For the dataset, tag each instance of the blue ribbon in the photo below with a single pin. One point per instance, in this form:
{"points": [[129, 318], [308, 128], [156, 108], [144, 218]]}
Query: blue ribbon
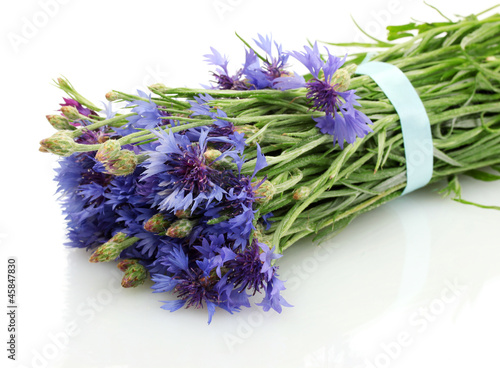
{"points": [[415, 125]]}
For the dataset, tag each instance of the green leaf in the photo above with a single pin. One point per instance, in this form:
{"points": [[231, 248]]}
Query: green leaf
{"points": [[452, 187], [379, 42], [482, 175], [477, 204], [392, 37], [444, 157], [439, 11], [380, 151]]}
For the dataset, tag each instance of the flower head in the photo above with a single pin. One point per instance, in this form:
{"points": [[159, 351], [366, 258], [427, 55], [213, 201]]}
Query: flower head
{"points": [[328, 93], [185, 176]]}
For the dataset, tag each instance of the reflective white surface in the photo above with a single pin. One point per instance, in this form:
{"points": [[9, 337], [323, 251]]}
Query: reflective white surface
{"points": [[414, 283]]}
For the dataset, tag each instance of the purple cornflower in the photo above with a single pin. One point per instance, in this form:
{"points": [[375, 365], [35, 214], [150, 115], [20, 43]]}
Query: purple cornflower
{"points": [[246, 269], [187, 179], [222, 77], [273, 68], [341, 118], [81, 109], [273, 299], [90, 220], [149, 116], [194, 284], [252, 75], [238, 202], [222, 134]]}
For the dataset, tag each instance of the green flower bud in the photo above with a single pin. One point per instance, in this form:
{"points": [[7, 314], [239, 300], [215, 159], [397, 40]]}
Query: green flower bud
{"points": [[60, 144], [248, 130], [112, 96], [126, 263], [158, 87], [301, 193], [111, 249], [107, 150], [342, 77], [180, 228], [157, 224], [122, 163], [60, 122], [265, 192], [71, 113], [211, 155], [260, 236], [135, 273], [63, 83], [182, 214]]}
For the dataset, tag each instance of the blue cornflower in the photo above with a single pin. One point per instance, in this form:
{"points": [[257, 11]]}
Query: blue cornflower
{"points": [[273, 68], [252, 75], [194, 286], [265, 219], [246, 269], [215, 248], [222, 133], [108, 110], [222, 77], [90, 219], [148, 116], [238, 202], [273, 299], [186, 178], [341, 118]]}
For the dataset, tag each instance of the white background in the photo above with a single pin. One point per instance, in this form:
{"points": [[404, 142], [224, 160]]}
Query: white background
{"points": [[414, 283]]}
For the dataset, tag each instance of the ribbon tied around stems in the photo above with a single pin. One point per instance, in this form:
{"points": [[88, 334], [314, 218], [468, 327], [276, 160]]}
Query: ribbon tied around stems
{"points": [[415, 124]]}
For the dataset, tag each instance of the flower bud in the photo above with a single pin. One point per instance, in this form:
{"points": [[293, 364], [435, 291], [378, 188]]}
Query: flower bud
{"points": [[158, 87], [126, 263], [60, 122], [107, 150], [63, 83], [157, 224], [301, 193], [122, 163], [111, 249], [135, 273], [265, 192], [342, 79], [248, 130], [102, 138], [182, 214], [112, 96], [60, 144], [180, 228], [71, 112], [211, 155]]}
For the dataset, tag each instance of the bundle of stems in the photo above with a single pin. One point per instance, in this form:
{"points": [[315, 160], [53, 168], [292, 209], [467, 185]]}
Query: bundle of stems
{"points": [[309, 184], [319, 189]]}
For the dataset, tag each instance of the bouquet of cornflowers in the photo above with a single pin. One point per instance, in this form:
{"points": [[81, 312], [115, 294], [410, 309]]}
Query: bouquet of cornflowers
{"points": [[204, 189]]}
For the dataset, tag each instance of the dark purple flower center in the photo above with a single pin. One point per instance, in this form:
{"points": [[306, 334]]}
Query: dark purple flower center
{"points": [[323, 96], [196, 289], [191, 169], [227, 82], [275, 69], [245, 270]]}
